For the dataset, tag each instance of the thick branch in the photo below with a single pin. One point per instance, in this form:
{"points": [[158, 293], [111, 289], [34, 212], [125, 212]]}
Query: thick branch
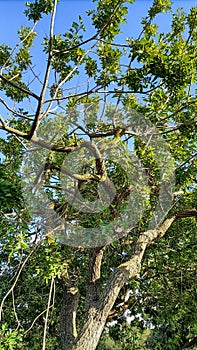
{"points": [[13, 131], [97, 316], [66, 171], [100, 165]]}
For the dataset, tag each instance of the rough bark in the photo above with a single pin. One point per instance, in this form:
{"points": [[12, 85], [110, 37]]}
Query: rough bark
{"points": [[93, 289], [68, 312], [99, 310]]}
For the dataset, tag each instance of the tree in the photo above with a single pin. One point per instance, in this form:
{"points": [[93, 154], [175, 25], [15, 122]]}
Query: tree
{"points": [[77, 235]]}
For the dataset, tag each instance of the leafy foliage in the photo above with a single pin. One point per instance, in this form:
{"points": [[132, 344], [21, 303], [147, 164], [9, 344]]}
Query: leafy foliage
{"points": [[153, 75]]}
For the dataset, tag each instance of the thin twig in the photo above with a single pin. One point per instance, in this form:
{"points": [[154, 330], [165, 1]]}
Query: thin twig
{"points": [[20, 88], [47, 313], [13, 111], [34, 321], [17, 45], [16, 280], [14, 308]]}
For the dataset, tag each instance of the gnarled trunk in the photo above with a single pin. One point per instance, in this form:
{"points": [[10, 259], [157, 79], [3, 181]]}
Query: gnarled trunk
{"points": [[99, 307]]}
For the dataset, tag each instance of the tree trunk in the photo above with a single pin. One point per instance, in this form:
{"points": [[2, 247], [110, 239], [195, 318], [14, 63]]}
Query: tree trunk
{"points": [[93, 288], [97, 315], [99, 310], [68, 312]]}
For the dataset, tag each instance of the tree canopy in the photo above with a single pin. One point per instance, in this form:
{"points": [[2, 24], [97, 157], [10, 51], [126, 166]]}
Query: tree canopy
{"points": [[98, 181]]}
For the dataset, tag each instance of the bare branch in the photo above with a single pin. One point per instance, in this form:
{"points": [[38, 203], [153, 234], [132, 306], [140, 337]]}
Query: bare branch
{"points": [[20, 88], [46, 78], [177, 127], [13, 131], [81, 177], [15, 281], [13, 111], [80, 95], [94, 37], [194, 156], [14, 308], [37, 317], [47, 313]]}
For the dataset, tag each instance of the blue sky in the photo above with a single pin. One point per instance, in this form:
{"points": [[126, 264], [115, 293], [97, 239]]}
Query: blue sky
{"points": [[12, 17]]}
